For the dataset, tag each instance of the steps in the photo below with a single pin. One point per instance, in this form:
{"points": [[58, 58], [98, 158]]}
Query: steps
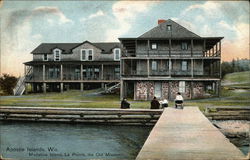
{"points": [[20, 86]]}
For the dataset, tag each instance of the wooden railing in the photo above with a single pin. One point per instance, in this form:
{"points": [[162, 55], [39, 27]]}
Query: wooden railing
{"points": [[83, 115], [228, 112]]}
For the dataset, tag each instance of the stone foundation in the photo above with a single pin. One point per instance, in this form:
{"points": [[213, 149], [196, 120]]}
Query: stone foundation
{"points": [[145, 90]]}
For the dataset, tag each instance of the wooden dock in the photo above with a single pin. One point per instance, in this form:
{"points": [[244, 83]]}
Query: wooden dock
{"points": [[187, 135], [81, 115]]}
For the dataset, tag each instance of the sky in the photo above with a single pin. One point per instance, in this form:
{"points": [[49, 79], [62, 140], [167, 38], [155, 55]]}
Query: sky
{"points": [[26, 24]]}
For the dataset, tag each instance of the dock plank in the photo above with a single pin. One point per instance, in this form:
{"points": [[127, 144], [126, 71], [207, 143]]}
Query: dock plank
{"points": [[187, 134]]}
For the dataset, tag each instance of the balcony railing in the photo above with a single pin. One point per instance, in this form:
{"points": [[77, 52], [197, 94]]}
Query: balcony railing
{"points": [[172, 53]]}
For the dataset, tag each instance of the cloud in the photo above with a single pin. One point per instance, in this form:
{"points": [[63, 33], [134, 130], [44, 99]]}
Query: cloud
{"points": [[94, 15], [44, 10], [16, 48], [125, 12], [18, 38], [209, 7], [213, 17]]}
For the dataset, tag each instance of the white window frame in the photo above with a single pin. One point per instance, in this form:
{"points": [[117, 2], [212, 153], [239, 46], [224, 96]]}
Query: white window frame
{"points": [[182, 65], [55, 52], [117, 49], [152, 46], [184, 46], [154, 65], [169, 27], [182, 86], [44, 57], [86, 58]]}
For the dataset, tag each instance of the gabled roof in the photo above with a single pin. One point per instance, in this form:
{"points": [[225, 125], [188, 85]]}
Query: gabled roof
{"points": [[177, 31], [48, 47], [67, 47]]}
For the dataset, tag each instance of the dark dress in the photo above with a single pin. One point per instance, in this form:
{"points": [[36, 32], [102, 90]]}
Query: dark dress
{"points": [[155, 104], [125, 104]]}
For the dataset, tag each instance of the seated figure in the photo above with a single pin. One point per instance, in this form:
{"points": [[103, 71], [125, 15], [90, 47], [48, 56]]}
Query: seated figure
{"points": [[178, 100]]}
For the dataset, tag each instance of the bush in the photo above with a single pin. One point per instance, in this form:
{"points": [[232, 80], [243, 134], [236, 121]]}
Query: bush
{"points": [[7, 84]]}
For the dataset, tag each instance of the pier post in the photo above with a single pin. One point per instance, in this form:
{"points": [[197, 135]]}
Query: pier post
{"points": [[61, 87], [44, 87], [82, 85]]}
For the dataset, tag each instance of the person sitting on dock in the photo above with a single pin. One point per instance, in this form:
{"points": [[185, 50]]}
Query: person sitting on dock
{"points": [[155, 104], [125, 104], [178, 99], [164, 103]]}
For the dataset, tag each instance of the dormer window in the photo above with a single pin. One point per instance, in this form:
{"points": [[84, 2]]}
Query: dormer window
{"points": [[57, 55], [184, 46], [117, 54], [45, 57], [169, 27], [154, 46], [87, 55]]}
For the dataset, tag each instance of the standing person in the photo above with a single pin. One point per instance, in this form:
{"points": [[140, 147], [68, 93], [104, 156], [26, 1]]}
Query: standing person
{"points": [[178, 99], [155, 104], [125, 104], [164, 103]]}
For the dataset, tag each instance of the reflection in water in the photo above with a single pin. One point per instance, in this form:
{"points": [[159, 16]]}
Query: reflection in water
{"points": [[70, 141]]}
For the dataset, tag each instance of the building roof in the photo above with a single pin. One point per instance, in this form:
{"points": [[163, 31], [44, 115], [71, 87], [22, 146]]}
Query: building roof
{"points": [[67, 47], [177, 31]]}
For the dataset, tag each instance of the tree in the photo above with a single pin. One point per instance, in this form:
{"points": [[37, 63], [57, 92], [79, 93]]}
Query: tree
{"points": [[7, 83]]}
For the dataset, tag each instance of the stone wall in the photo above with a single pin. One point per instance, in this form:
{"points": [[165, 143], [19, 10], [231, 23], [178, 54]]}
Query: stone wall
{"points": [[145, 90], [198, 90], [165, 90]]}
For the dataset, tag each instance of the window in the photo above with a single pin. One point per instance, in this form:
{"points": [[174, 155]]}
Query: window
{"points": [[83, 55], [117, 54], [154, 65], [57, 55], [153, 46], [182, 87], [169, 27], [184, 46], [87, 55], [90, 55], [184, 65], [45, 57], [117, 72]]}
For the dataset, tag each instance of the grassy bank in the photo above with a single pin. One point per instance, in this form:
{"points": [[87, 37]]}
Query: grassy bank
{"points": [[230, 96]]}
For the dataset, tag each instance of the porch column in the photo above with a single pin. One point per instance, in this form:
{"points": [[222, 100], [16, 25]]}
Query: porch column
{"points": [[81, 70], [192, 45], [192, 67], [148, 47], [61, 72], [44, 87], [148, 66], [220, 48], [170, 46], [61, 87], [103, 85], [121, 90], [204, 48], [43, 72], [169, 67], [82, 85], [216, 50], [102, 75], [219, 87]]}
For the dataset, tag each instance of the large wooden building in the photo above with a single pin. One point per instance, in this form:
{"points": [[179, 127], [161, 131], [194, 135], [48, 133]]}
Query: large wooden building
{"points": [[63, 66], [169, 59]]}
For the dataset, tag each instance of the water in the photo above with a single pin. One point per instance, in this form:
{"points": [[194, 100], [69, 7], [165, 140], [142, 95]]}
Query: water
{"points": [[26, 140]]}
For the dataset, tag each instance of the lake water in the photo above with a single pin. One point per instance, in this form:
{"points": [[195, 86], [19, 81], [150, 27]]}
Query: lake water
{"points": [[26, 140]]}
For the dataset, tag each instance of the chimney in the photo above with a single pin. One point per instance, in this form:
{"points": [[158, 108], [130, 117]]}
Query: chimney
{"points": [[161, 21]]}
